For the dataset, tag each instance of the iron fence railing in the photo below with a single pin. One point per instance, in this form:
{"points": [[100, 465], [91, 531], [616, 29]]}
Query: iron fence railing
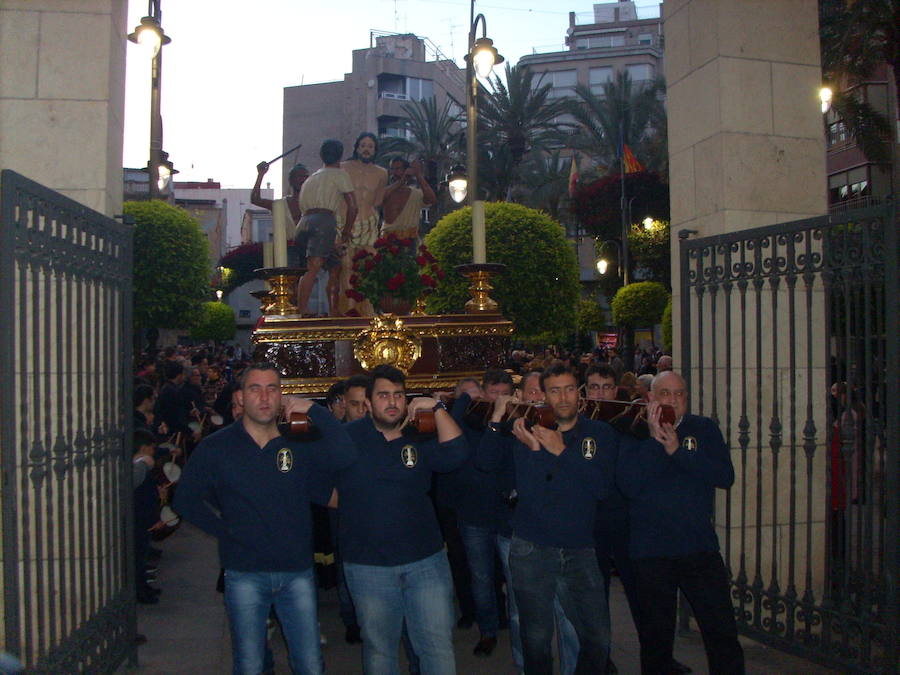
{"points": [[789, 339], [65, 349]]}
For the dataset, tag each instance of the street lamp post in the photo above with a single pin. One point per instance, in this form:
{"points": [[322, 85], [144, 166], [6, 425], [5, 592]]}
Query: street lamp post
{"points": [[149, 34], [602, 264], [480, 60]]}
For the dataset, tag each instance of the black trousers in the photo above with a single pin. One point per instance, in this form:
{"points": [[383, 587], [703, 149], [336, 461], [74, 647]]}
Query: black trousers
{"points": [[704, 580]]}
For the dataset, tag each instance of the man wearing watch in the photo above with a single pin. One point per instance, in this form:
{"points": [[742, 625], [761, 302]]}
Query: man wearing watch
{"points": [[393, 554], [560, 475]]}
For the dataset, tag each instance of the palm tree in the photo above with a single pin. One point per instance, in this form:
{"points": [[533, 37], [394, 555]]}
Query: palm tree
{"points": [[856, 37], [545, 180], [635, 112], [520, 115]]}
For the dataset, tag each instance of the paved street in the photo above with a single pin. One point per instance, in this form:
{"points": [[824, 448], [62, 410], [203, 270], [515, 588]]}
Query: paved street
{"points": [[187, 632]]}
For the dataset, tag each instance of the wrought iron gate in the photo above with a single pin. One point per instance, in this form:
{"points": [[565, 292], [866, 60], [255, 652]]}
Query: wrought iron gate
{"points": [[790, 341], [65, 297]]}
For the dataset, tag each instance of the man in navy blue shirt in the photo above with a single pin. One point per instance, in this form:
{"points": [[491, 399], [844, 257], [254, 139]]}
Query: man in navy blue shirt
{"points": [[560, 475], [477, 499], [251, 488], [394, 558], [670, 483]]}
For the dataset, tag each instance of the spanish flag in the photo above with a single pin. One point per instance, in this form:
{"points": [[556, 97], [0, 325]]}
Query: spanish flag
{"points": [[630, 161], [573, 175]]}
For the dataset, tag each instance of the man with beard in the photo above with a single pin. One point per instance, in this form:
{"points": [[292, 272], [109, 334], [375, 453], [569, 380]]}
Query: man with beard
{"points": [[404, 198], [393, 555], [251, 488], [560, 476], [369, 181], [670, 482]]}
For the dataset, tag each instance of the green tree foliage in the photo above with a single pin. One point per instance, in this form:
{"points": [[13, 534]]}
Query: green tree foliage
{"points": [[650, 252], [639, 304], [545, 182], [667, 327], [856, 37], [216, 323], [539, 289], [590, 316], [520, 116], [171, 265], [633, 108]]}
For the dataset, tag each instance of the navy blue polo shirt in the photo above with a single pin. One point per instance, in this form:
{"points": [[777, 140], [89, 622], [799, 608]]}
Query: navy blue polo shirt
{"points": [[494, 454], [474, 492], [671, 497], [558, 494], [385, 515], [256, 500]]}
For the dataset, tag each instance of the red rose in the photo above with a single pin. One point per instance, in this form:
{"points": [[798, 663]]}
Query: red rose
{"points": [[396, 281], [421, 260], [440, 274], [362, 253], [429, 281], [381, 241], [406, 242], [369, 264], [354, 280], [353, 294], [377, 257], [394, 250]]}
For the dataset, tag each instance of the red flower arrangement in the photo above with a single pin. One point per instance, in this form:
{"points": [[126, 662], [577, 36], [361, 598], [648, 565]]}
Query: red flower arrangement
{"points": [[397, 268]]}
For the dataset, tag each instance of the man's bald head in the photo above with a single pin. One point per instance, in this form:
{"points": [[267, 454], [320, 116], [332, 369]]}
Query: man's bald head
{"points": [[670, 388], [664, 363]]}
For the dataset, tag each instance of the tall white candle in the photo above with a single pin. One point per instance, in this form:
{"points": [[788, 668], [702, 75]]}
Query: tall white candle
{"points": [[479, 253], [280, 217]]}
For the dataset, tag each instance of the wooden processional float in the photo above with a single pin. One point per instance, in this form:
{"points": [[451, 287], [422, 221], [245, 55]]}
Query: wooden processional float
{"points": [[435, 351]]}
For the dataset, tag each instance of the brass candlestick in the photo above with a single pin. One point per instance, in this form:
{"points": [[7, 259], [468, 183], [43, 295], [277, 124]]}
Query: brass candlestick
{"points": [[479, 274], [283, 283]]}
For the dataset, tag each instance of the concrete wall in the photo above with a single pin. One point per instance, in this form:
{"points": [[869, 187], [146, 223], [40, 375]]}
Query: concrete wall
{"points": [[62, 96]]}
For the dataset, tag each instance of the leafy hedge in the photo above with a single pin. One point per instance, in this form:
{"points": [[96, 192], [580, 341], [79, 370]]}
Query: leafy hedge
{"points": [[639, 304], [667, 327], [215, 322], [171, 265], [539, 289]]}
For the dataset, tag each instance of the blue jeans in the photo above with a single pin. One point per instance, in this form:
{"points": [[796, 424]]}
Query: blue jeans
{"points": [[541, 573], [479, 543], [566, 640], [422, 593], [248, 598], [515, 637]]}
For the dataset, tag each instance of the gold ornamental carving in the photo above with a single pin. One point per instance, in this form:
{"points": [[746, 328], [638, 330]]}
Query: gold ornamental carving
{"points": [[387, 341]]}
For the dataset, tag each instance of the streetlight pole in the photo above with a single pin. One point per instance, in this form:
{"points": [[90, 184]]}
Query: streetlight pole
{"points": [[480, 59], [150, 35]]}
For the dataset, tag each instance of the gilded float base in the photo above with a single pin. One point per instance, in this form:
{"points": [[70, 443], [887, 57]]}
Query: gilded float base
{"points": [[436, 351]]}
